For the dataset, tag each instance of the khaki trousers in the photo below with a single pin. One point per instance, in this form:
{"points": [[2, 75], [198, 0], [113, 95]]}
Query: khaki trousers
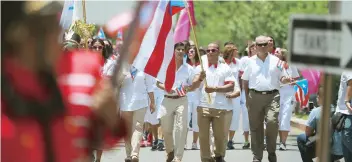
{"points": [[176, 111], [216, 118], [228, 120], [132, 142], [263, 107]]}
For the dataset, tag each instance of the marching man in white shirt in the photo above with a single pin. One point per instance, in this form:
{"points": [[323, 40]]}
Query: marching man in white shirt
{"points": [[136, 95], [213, 103], [175, 107], [262, 80]]}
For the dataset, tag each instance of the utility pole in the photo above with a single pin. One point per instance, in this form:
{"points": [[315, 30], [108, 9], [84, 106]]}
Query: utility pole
{"points": [[324, 130]]}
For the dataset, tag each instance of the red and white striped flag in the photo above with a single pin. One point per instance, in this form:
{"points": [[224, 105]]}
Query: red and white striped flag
{"points": [[181, 90], [156, 53]]}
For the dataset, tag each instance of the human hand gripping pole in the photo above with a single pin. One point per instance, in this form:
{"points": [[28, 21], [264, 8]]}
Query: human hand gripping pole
{"points": [[197, 47]]}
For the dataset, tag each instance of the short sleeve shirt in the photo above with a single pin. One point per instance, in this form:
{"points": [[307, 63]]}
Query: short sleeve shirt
{"points": [[341, 107], [263, 75], [216, 77]]}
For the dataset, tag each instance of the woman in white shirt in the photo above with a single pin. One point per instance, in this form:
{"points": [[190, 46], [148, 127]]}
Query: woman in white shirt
{"points": [[193, 98], [136, 94], [287, 93]]}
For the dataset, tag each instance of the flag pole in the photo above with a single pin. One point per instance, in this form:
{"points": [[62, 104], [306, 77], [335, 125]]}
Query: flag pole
{"points": [[85, 19], [197, 47]]}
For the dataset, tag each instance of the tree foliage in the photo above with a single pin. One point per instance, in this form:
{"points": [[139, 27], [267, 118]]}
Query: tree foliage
{"points": [[240, 21]]}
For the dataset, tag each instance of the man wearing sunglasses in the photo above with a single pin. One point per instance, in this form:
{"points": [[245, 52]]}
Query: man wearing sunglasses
{"points": [[261, 80], [213, 102]]}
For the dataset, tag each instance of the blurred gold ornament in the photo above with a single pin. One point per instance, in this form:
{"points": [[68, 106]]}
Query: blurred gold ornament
{"points": [[84, 30]]}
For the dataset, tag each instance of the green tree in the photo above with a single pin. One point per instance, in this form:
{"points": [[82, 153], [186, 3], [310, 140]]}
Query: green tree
{"points": [[239, 21]]}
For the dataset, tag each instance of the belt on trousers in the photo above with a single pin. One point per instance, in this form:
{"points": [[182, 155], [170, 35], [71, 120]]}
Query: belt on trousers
{"points": [[264, 92], [173, 97]]}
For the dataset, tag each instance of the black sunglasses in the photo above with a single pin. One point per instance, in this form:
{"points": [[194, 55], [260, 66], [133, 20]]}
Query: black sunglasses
{"points": [[97, 47], [211, 50], [262, 44]]}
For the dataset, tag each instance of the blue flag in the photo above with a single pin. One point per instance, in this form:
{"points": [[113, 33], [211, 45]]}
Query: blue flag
{"points": [[101, 34]]}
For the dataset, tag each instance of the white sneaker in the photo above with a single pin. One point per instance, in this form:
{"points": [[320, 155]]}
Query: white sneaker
{"points": [[282, 147], [194, 146]]}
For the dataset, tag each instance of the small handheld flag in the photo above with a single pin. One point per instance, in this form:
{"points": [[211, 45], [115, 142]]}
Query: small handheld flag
{"points": [[281, 65], [302, 95], [181, 90], [133, 73], [101, 34]]}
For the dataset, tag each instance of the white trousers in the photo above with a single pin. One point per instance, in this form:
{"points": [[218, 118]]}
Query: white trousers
{"points": [[152, 118], [285, 114], [240, 108], [192, 113]]}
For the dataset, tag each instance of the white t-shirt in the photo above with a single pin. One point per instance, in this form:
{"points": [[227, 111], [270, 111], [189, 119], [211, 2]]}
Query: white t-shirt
{"points": [[340, 105], [215, 77]]}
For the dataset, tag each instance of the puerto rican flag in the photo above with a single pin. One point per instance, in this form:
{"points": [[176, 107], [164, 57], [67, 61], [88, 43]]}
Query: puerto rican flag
{"points": [[156, 53], [181, 90], [281, 65], [302, 95]]}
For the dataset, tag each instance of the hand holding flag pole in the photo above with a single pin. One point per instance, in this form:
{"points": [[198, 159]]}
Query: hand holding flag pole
{"points": [[196, 44]]}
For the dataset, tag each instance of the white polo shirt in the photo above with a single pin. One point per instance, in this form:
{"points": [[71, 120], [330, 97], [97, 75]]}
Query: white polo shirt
{"points": [[263, 75], [134, 92], [216, 77], [340, 105]]}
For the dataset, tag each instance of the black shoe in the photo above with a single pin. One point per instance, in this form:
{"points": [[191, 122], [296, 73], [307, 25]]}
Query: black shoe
{"points": [[230, 145], [256, 160], [154, 145], [219, 159], [272, 157], [246, 145], [160, 146], [170, 156], [128, 159]]}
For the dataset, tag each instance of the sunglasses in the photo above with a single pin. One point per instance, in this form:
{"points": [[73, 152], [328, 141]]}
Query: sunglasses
{"points": [[97, 47], [212, 50], [191, 51], [262, 44]]}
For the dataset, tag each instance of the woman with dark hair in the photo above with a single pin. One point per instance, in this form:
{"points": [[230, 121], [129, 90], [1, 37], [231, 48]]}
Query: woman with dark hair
{"points": [[98, 45], [193, 98], [271, 45]]}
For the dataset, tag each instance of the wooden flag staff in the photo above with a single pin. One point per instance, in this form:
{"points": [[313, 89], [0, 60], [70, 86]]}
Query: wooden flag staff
{"points": [[197, 47]]}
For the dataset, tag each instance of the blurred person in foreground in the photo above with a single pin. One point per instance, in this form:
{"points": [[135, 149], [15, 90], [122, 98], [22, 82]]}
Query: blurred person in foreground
{"points": [[344, 110], [306, 141], [48, 113]]}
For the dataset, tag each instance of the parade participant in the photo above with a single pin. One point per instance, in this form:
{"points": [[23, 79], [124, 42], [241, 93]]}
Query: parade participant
{"points": [[97, 45], [230, 55], [174, 107], [193, 99], [71, 41], [343, 108], [44, 117], [245, 122], [152, 119], [271, 45], [287, 100], [136, 95], [220, 81], [262, 80]]}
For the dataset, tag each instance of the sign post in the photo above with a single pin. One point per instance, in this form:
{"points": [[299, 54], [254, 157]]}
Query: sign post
{"points": [[323, 42]]}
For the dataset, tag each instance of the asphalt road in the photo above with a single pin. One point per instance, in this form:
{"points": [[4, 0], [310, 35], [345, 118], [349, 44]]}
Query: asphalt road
{"points": [[238, 155]]}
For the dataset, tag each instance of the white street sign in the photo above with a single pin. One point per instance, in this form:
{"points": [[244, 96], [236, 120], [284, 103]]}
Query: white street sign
{"points": [[322, 42]]}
